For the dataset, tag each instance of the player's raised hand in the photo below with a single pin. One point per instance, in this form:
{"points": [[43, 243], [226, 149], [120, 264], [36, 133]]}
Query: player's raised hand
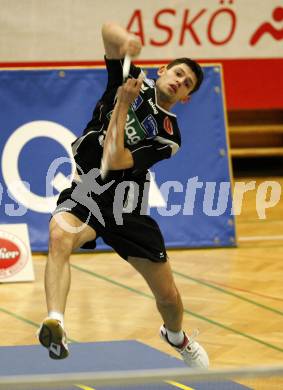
{"points": [[129, 91], [132, 46]]}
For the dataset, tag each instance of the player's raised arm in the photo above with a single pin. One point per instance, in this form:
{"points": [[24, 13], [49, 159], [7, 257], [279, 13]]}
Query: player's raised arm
{"points": [[118, 41], [120, 157]]}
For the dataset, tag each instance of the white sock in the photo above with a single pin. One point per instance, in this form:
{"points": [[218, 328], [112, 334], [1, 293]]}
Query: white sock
{"points": [[175, 338], [57, 316]]}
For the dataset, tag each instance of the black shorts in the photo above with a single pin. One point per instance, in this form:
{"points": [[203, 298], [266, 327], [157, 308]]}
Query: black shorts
{"points": [[138, 235]]}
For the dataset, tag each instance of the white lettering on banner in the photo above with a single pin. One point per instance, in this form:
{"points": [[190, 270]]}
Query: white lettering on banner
{"points": [[10, 157], [5, 254]]}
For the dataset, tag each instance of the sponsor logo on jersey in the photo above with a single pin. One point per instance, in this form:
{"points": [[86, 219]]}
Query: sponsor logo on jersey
{"points": [[167, 124], [144, 88], [137, 103], [133, 131], [153, 106], [150, 125], [149, 82]]}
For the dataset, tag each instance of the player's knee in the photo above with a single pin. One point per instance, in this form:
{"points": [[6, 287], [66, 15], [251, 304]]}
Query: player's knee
{"points": [[168, 297], [60, 241]]}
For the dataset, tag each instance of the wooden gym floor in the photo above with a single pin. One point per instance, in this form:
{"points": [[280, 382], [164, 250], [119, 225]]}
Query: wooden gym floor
{"points": [[234, 296]]}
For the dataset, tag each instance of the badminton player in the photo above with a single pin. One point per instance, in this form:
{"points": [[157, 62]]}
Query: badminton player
{"points": [[132, 128]]}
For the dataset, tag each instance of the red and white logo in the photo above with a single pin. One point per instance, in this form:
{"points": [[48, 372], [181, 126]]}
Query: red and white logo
{"points": [[13, 255], [167, 124]]}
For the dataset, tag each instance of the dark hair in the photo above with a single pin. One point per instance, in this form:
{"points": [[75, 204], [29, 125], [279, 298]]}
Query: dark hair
{"points": [[193, 65]]}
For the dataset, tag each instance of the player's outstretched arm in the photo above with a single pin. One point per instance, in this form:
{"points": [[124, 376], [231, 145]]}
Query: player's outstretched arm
{"points": [[118, 41], [120, 157]]}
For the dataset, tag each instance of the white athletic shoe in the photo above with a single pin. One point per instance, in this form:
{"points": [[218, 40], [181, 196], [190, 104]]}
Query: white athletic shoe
{"points": [[53, 337], [192, 352]]}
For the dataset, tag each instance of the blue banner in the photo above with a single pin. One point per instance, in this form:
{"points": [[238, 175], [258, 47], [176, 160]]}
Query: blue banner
{"points": [[43, 111]]}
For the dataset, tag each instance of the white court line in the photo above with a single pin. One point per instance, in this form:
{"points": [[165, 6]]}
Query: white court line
{"points": [[260, 238]]}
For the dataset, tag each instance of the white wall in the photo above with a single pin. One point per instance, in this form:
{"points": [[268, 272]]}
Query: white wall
{"points": [[54, 30]]}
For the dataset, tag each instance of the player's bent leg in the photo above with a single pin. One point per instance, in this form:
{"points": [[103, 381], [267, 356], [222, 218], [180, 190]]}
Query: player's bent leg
{"points": [[67, 233], [169, 303]]}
